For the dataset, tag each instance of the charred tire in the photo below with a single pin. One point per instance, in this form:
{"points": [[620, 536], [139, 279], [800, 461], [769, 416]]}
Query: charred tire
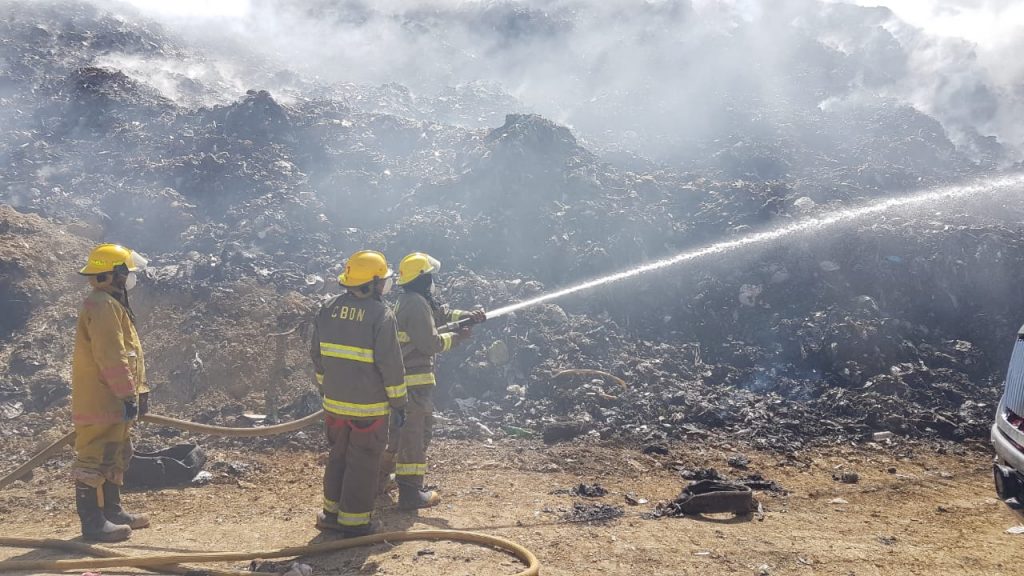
{"points": [[1008, 484]]}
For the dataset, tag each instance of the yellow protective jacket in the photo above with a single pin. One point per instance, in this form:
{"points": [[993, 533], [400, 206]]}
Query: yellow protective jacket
{"points": [[108, 366], [417, 331], [357, 358]]}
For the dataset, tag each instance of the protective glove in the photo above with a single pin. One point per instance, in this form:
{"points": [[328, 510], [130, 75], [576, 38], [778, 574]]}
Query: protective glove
{"points": [[478, 316], [131, 410], [143, 404], [463, 334], [399, 415]]}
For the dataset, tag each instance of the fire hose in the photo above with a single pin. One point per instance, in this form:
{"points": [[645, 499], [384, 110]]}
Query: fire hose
{"points": [[114, 559], [68, 438], [110, 558]]}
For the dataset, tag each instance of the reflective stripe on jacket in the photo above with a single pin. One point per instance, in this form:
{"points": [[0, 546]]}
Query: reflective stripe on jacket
{"points": [[108, 366], [357, 358], [417, 332]]}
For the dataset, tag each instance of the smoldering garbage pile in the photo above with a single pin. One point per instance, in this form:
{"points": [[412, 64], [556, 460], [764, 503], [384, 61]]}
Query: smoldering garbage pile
{"points": [[246, 210]]}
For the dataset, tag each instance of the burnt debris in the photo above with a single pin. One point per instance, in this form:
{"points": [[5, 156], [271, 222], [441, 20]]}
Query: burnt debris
{"points": [[246, 202]]}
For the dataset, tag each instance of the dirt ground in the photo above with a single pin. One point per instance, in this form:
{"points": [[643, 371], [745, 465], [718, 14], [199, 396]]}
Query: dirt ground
{"points": [[913, 511]]}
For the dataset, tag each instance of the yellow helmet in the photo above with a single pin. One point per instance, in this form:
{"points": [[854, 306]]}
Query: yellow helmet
{"points": [[416, 264], [363, 267], [106, 257]]}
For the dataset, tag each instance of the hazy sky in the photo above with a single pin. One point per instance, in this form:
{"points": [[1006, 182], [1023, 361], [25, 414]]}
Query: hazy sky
{"points": [[981, 21], [988, 23], [212, 8], [968, 54]]}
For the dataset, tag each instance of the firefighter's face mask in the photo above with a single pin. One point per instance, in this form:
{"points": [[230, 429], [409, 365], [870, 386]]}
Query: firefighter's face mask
{"points": [[137, 263]]}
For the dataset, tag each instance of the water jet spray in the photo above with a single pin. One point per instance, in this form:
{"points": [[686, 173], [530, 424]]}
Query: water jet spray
{"points": [[986, 186]]}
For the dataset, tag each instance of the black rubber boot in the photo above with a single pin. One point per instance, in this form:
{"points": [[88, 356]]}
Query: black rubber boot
{"points": [[113, 511], [357, 531], [95, 526], [413, 497], [327, 521]]}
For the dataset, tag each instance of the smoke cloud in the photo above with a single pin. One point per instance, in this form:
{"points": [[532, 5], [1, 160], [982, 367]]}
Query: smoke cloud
{"points": [[963, 64], [661, 78]]}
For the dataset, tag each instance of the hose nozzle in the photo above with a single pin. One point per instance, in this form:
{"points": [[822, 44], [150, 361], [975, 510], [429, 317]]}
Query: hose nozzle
{"points": [[458, 325]]}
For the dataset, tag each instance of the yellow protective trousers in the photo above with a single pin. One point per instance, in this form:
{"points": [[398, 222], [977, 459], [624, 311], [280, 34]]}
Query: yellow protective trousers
{"points": [[102, 453], [350, 476], [411, 457]]}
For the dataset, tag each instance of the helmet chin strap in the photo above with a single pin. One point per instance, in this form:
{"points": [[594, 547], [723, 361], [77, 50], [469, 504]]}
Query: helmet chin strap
{"points": [[127, 306], [117, 288], [378, 288], [424, 286]]}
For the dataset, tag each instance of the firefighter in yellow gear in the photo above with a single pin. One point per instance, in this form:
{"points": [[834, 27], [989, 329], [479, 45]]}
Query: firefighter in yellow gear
{"points": [[108, 392], [418, 315], [358, 363]]}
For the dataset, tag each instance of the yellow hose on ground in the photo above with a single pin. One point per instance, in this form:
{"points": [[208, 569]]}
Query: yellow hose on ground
{"points": [[152, 561], [38, 459], [58, 445], [102, 552], [169, 562], [234, 432]]}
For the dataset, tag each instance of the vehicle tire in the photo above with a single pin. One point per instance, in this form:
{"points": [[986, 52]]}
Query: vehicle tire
{"points": [[1007, 482]]}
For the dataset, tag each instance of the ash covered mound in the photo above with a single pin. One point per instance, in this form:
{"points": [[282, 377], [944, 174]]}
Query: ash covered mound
{"points": [[246, 205], [38, 301]]}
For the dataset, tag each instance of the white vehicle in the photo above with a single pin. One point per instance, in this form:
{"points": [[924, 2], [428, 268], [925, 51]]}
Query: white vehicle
{"points": [[1008, 429]]}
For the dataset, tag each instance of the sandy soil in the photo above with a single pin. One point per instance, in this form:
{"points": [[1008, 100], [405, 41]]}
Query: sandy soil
{"points": [[914, 511]]}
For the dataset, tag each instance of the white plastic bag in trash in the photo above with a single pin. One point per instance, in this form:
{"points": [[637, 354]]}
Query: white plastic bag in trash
{"points": [[298, 569]]}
